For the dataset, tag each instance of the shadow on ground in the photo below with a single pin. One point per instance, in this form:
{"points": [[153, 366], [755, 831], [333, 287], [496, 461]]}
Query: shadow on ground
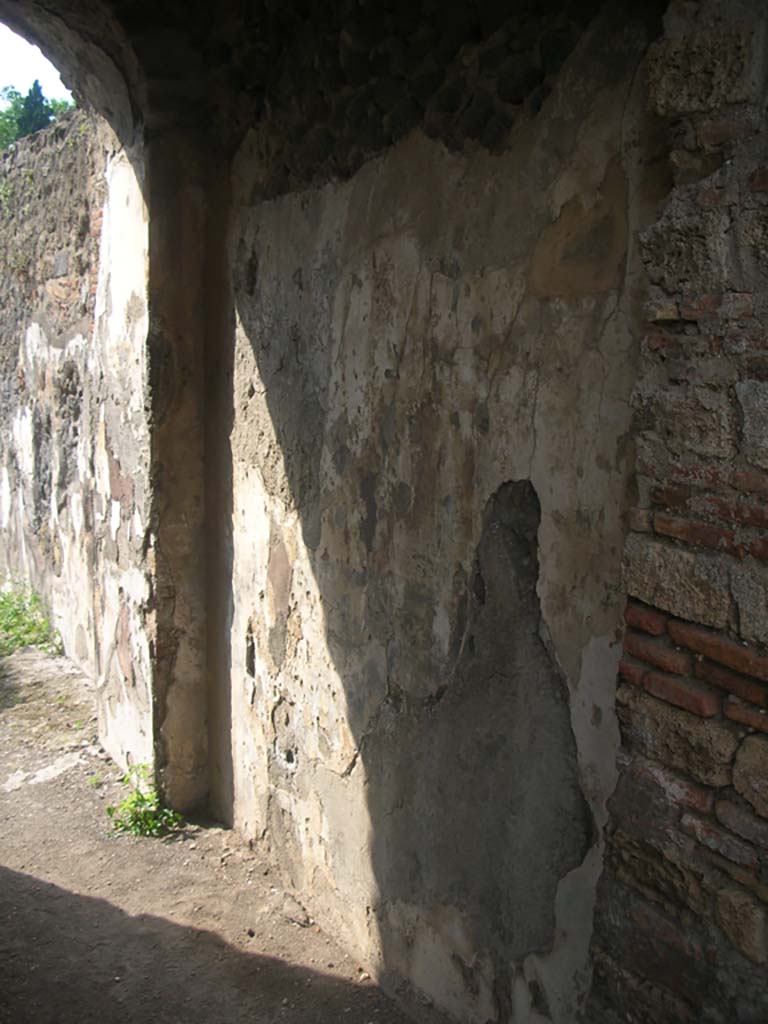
{"points": [[69, 959], [9, 689]]}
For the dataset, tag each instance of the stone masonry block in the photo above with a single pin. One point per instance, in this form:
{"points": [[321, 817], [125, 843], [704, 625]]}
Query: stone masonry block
{"points": [[693, 585], [741, 821], [750, 773], [699, 73], [678, 790], [753, 400], [742, 919], [683, 253], [718, 840], [699, 747], [695, 420]]}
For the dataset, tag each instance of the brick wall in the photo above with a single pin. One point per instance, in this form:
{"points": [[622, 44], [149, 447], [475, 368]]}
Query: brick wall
{"points": [[681, 930]]}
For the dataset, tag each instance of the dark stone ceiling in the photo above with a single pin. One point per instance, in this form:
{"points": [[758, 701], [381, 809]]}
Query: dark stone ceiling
{"points": [[224, 68]]}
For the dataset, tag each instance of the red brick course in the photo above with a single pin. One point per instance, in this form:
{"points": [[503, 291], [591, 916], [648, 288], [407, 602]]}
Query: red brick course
{"points": [[750, 481], [647, 619], [632, 671], [746, 715], [671, 496], [698, 534], [740, 686], [697, 306], [659, 652], [738, 511], [687, 694], [719, 648], [684, 731]]}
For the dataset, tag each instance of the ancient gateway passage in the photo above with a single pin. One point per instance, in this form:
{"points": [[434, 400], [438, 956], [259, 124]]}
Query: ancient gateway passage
{"points": [[384, 421]]}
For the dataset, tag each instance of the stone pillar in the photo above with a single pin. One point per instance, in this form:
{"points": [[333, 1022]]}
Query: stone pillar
{"points": [[177, 221]]}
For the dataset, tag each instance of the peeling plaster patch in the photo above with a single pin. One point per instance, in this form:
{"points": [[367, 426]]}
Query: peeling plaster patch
{"points": [[34, 342], [563, 974], [135, 584], [491, 756], [101, 456], [115, 518], [593, 716], [23, 433], [5, 499], [76, 513]]}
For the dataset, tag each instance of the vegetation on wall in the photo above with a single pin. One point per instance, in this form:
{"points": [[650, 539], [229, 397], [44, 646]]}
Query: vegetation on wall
{"points": [[24, 115], [142, 813], [23, 623]]}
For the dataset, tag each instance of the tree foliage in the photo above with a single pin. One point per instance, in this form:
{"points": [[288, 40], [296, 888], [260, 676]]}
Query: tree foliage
{"points": [[11, 99], [35, 113], [23, 115]]}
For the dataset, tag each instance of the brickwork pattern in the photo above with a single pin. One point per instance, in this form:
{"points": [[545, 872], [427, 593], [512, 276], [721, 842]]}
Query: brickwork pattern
{"points": [[682, 927]]}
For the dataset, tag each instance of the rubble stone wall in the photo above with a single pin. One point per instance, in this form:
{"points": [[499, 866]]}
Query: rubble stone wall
{"points": [[74, 498], [681, 927]]}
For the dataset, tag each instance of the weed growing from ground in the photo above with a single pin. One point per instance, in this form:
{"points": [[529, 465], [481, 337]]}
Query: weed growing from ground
{"points": [[23, 623], [141, 813]]}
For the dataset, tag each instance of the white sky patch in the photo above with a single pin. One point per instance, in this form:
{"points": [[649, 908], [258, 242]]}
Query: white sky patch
{"points": [[21, 63]]}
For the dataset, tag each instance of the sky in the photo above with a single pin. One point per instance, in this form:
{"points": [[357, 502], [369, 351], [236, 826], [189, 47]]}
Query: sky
{"points": [[21, 64]]}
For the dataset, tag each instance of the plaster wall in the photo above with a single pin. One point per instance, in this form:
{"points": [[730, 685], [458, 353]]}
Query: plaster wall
{"points": [[430, 458], [74, 500]]}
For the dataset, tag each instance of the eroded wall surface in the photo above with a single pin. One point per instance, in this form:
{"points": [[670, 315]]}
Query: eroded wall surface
{"points": [[74, 500], [495, 325], [430, 454]]}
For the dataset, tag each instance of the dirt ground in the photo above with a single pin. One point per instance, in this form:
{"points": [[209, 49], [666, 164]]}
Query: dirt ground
{"points": [[117, 930]]}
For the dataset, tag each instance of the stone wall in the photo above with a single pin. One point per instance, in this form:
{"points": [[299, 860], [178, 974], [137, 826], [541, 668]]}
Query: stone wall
{"points": [[681, 930], [430, 455], [462, 73], [475, 317], [74, 499]]}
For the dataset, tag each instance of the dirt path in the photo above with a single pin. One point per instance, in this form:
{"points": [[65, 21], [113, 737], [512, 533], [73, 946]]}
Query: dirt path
{"points": [[123, 930]]}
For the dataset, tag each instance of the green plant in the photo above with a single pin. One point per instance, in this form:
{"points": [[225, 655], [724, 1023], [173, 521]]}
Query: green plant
{"points": [[95, 781], [142, 813], [23, 115], [23, 623]]}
